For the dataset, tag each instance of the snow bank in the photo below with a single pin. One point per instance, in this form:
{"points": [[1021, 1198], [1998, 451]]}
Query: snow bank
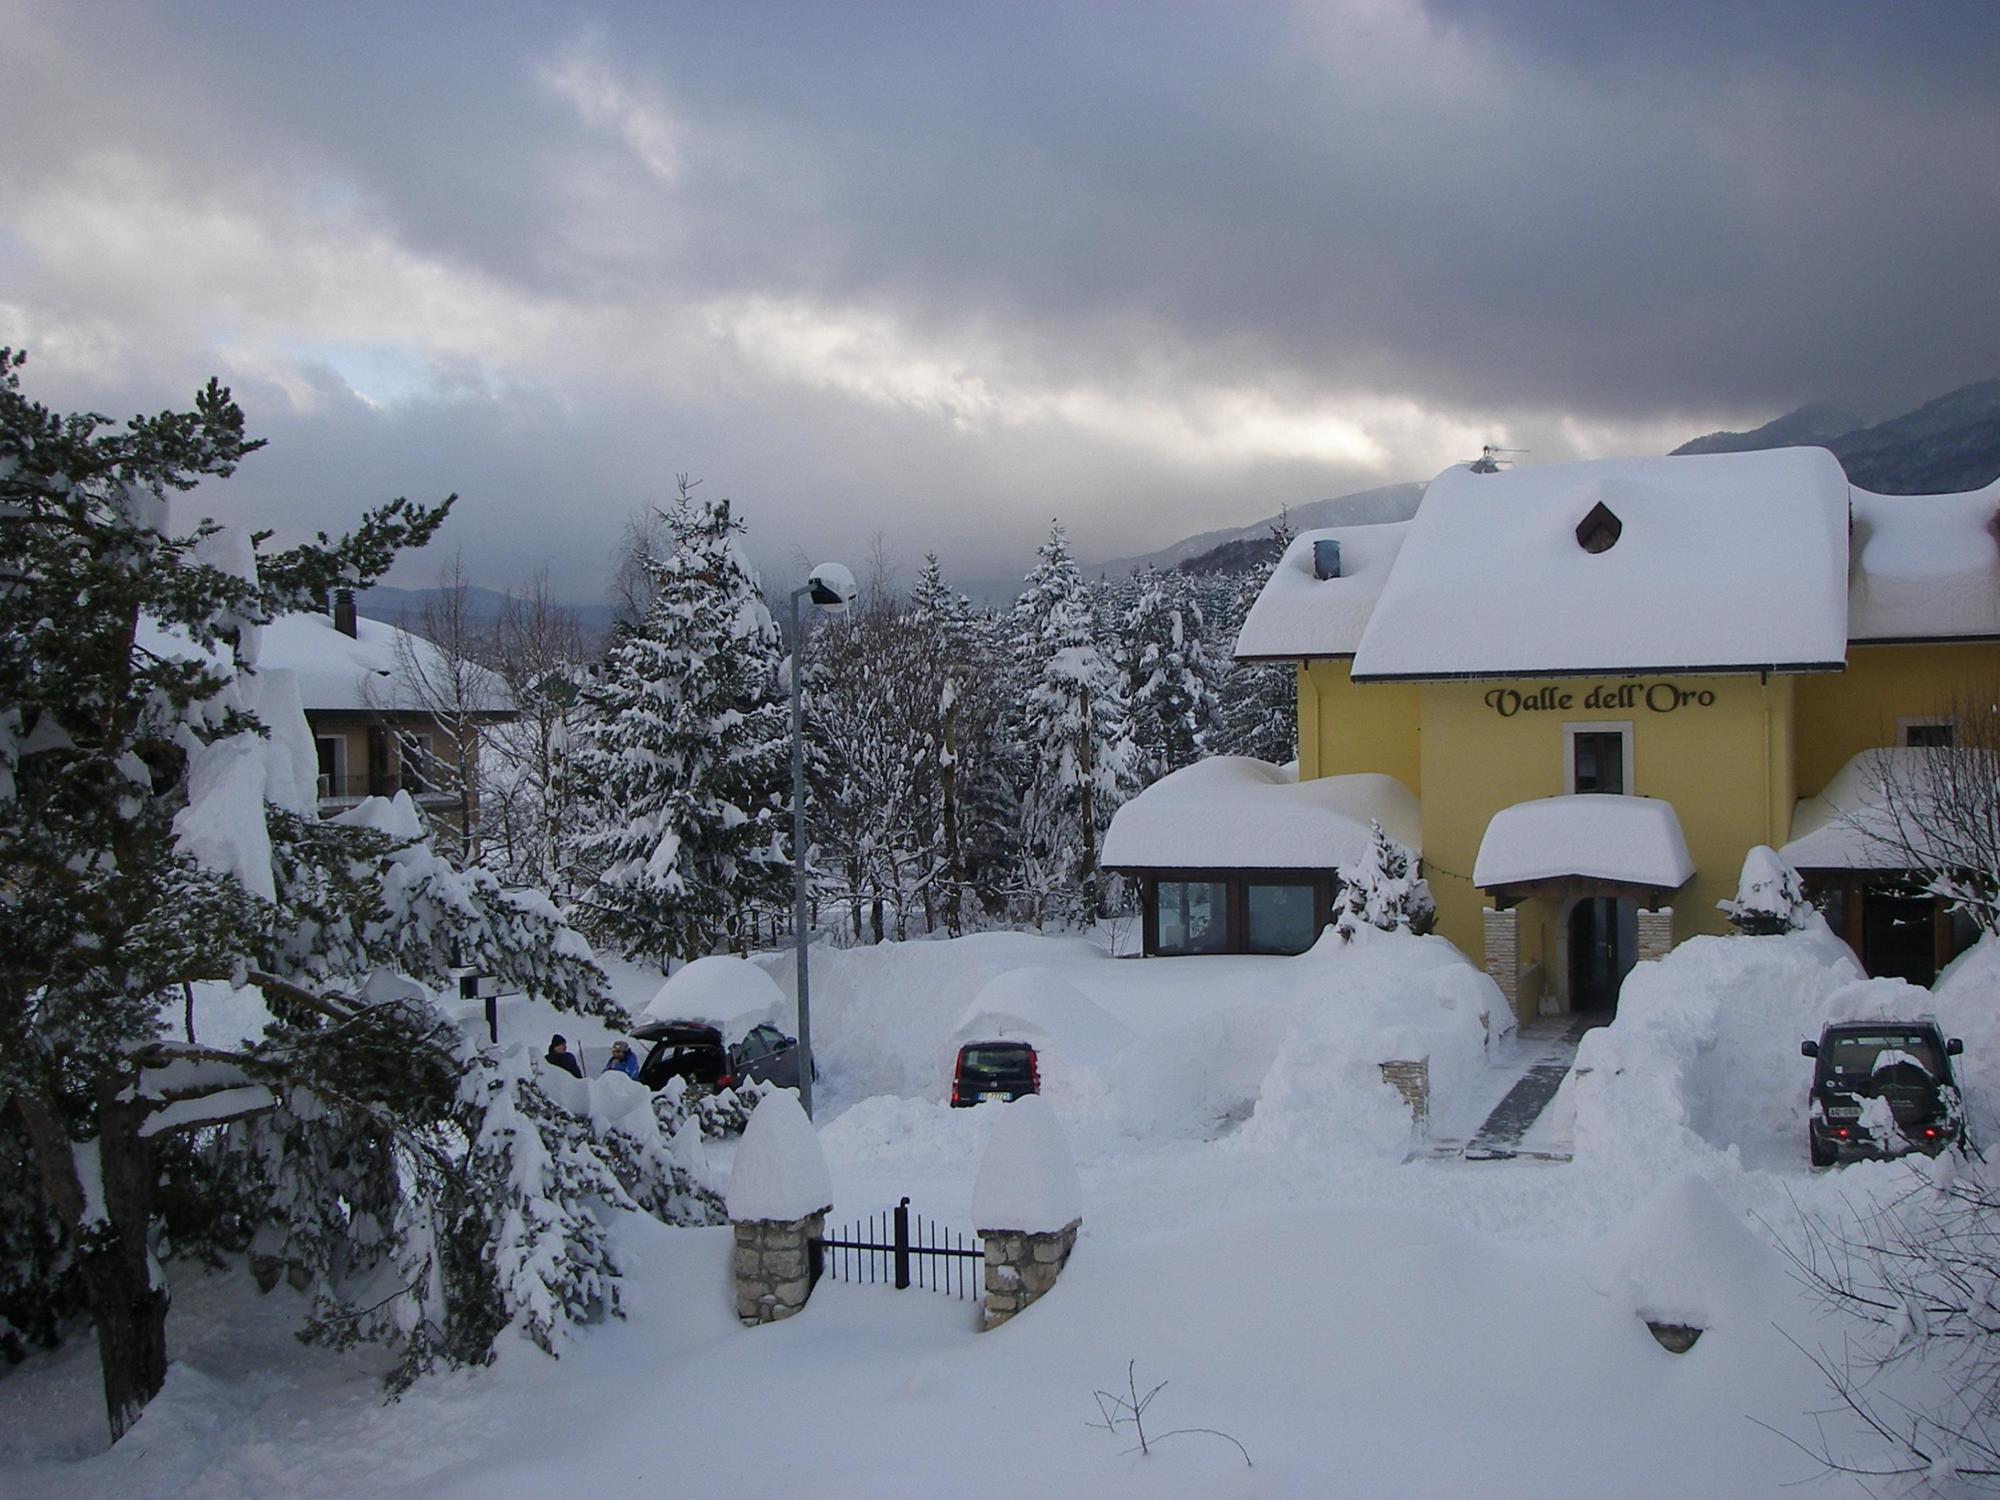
{"points": [[780, 1172], [722, 989], [1685, 1257], [1393, 997], [1027, 1178], [1036, 1004], [1703, 1057]]}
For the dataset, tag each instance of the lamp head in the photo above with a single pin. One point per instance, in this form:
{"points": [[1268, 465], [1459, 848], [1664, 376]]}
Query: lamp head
{"points": [[832, 587]]}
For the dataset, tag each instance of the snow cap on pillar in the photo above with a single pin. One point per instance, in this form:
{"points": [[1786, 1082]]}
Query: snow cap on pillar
{"points": [[1027, 1178], [780, 1172]]}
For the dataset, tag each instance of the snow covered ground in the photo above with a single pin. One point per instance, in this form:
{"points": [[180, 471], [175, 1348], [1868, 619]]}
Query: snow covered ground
{"points": [[1260, 1230]]}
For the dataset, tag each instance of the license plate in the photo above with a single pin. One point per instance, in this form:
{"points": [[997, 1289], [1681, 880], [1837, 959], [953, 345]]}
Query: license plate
{"points": [[984, 1097]]}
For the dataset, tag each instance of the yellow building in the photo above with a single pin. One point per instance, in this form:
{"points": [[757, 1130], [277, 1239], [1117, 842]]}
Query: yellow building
{"points": [[1604, 683]]}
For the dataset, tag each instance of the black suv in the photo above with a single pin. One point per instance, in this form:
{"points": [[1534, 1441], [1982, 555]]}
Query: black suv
{"points": [[995, 1070], [1865, 1065]]}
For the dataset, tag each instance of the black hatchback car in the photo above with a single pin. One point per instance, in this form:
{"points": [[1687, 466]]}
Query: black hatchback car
{"points": [[995, 1070], [1866, 1065], [684, 1049]]}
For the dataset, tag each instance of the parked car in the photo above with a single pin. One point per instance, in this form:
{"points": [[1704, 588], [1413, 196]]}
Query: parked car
{"points": [[767, 1055], [1882, 1089], [995, 1070], [684, 1049]]}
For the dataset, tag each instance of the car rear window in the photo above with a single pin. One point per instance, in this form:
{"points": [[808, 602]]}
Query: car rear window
{"points": [[1856, 1054], [993, 1062]]}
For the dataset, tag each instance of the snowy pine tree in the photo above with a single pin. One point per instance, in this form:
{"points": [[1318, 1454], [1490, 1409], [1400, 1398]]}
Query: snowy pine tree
{"points": [[1382, 891], [1258, 709], [158, 818], [1169, 673], [686, 758], [1770, 896], [1075, 734]]}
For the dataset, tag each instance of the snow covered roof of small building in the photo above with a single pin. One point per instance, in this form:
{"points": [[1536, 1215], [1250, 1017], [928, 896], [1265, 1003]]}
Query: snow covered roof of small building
{"points": [[1925, 567], [1234, 812], [1299, 614], [1595, 835], [1719, 562], [1849, 825], [363, 671]]}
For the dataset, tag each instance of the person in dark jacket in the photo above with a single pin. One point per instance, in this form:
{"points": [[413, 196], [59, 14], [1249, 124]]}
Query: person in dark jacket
{"points": [[622, 1060], [559, 1055]]}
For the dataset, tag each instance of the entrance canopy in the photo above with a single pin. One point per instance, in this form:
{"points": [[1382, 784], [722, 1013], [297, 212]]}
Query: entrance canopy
{"points": [[1597, 842]]}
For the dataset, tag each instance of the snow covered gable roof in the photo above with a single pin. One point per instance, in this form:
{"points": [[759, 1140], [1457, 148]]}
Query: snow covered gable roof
{"points": [[365, 671], [1233, 812], [1851, 824], [1926, 567], [1299, 615], [1720, 562]]}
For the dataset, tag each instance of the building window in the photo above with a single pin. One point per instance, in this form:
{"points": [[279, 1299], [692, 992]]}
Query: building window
{"points": [[1936, 733], [332, 750], [1278, 918], [414, 753], [1597, 758], [1193, 916]]}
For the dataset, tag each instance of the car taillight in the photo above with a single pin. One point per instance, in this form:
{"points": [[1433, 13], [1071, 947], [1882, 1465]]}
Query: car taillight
{"points": [[1930, 1132], [726, 1081], [1841, 1132], [956, 1097]]}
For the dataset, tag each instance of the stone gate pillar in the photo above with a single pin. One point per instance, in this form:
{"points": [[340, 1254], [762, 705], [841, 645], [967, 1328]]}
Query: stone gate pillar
{"points": [[1503, 954], [1656, 933]]}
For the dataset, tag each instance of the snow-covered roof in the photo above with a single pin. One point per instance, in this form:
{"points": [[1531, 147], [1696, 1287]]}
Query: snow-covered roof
{"points": [[1721, 561], [1925, 566], [1849, 826], [1300, 615], [1231, 811], [366, 671], [1597, 835]]}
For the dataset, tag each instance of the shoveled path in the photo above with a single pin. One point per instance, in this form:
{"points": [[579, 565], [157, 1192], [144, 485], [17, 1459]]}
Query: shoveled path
{"points": [[1492, 1124]]}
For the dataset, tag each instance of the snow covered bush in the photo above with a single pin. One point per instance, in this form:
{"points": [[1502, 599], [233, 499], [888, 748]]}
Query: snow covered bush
{"points": [[1381, 891], [1770, 896]]}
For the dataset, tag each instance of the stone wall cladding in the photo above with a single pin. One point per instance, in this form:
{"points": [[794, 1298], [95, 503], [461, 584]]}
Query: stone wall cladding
{"points": [[1656, 933], [773, 1265], [1413, 1081], [1503, 953], [1021, 1267]]}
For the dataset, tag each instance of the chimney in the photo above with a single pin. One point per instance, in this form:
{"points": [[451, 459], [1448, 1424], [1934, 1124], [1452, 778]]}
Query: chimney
{"points": [[343, 611], [1326, 557]]}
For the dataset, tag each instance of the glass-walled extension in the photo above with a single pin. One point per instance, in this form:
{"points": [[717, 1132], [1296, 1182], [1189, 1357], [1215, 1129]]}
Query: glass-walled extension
{"points": [[1234, 911]]}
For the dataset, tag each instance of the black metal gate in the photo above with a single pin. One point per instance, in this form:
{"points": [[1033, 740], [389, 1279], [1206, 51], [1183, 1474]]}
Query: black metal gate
{"points": [[883, 1248]]}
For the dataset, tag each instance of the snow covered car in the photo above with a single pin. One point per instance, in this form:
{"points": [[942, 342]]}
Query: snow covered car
{"points": [[767, 1055], [684, 1049], [994, 1070], [1882, 1089]]}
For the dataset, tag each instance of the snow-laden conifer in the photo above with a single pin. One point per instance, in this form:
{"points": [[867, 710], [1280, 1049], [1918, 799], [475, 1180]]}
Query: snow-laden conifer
{"points": [[1169, 673], [1381, 890], [687, 755], [1770, 896]]}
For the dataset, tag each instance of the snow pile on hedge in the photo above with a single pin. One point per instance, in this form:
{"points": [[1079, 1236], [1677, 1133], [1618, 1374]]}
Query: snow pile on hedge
{"points": [[1392, 998], [1966, 1001], [1027, 1179], [1685, 1257]]}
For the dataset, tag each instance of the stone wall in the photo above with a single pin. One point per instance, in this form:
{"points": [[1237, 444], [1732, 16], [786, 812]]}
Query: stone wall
{"points": [[1503, 953], [1656, 933], [774, 1270], [1413, 1081], [1021, 1267]]}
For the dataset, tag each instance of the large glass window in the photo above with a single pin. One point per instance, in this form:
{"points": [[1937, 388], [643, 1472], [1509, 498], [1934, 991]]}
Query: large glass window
{"points": [[1279, 918], [1194, 916]]}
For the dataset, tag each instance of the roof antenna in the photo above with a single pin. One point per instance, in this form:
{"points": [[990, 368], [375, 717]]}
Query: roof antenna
{"points": [[1492, 460]]}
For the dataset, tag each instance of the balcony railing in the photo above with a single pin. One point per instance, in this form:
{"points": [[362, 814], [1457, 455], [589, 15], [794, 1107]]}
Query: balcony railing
{"points": [[344, 791]]}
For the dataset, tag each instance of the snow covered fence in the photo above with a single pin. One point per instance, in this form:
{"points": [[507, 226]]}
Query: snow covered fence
{"points": [[1027, 1206], [779, 1196]]}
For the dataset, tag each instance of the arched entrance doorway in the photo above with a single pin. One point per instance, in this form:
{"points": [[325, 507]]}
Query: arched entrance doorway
{"points": [[1601, 936]]}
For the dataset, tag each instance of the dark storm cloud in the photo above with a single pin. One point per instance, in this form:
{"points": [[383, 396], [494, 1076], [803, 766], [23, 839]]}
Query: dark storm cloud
{"points": [[1157, 267]]}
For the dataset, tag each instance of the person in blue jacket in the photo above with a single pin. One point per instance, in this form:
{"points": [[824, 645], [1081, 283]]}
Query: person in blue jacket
{"points": [[622, 1060]]}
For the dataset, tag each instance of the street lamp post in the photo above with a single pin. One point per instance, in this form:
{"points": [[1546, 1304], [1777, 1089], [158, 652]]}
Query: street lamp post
{"points": [[831, 587]]}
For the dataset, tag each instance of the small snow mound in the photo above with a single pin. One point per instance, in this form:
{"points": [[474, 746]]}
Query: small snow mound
{"points": [[729, 991], [1027, 1179], [1684, 1257], [1039, 1005], [780, 1172]]}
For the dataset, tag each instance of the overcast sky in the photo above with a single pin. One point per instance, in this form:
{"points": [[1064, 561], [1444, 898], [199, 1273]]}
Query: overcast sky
{"points": [[942, 271]]}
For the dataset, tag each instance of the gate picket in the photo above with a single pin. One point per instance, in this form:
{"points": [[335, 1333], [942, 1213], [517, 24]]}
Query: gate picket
{"points": [[886, 1251]]}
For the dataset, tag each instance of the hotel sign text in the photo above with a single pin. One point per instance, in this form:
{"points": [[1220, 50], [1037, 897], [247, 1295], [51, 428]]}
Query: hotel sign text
{"points": [[1655, 697]]}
